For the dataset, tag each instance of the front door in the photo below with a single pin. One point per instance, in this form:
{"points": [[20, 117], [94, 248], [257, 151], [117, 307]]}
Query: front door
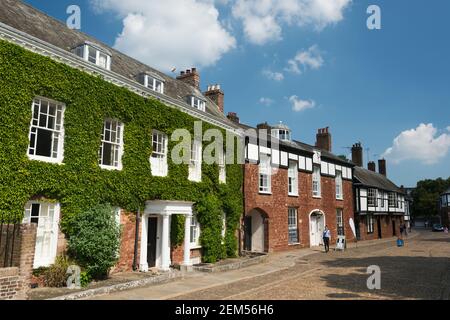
{"points": [[248, 233], [151, 241], [379, 227], [45, 215], [317, 228]]}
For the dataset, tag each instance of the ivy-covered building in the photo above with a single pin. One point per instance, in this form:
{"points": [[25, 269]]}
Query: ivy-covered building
{"points": [[83, 124]]}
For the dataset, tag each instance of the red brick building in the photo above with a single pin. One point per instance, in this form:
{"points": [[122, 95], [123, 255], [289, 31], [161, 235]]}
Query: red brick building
{"points": [[293, 190]]}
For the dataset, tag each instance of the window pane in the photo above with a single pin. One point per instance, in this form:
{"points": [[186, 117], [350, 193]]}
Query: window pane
{"points": [[107, 154], [44, 143]]}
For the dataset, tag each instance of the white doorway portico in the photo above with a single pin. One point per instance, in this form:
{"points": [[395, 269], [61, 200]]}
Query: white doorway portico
{"points": [[155, 233]]}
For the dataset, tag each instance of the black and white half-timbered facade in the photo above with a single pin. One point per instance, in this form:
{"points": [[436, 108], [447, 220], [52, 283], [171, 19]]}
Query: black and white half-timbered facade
{"points": [[380, 205]]}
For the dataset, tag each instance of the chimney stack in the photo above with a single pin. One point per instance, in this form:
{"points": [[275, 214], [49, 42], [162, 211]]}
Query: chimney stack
{"points": [[191, 77], [216, 95], [323, 139], [357, 154], [233, 117], [372, 166], [382, 167]]}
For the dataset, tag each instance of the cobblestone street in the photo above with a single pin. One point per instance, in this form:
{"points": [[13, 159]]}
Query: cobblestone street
{"points": [[419, 270]]}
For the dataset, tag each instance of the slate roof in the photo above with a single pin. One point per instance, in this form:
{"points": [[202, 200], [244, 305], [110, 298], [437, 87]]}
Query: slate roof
{"points": [[28, 19], [373, 179]]}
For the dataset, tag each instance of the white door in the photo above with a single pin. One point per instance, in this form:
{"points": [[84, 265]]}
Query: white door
{"points": [[46, 216], [316, 229]]}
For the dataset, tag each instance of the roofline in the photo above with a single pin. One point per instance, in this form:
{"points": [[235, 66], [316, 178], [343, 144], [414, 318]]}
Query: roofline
{"points": [[60, 55], [359, 184]]}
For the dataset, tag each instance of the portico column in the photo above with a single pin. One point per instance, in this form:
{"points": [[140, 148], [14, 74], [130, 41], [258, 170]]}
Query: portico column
{"points": [[165, 252], [187, 241]]}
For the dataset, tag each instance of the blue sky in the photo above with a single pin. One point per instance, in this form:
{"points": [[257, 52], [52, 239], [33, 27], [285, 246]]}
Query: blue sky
{"points": [[368, 86]]}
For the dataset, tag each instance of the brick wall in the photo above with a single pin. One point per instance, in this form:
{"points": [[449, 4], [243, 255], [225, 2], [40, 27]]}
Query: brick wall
{"points": [[386, 227], [177, 254], [128, 223], [276, 206], [27, 247], [11, 284]]}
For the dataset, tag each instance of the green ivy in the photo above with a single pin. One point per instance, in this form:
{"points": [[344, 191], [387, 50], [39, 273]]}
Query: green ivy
{"points": [[80, 184]]}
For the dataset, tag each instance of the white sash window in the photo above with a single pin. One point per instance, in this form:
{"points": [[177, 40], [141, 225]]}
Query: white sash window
{"points": [[293, 178], [158, 159], [195, 166], [265, 174], [111, 149]]}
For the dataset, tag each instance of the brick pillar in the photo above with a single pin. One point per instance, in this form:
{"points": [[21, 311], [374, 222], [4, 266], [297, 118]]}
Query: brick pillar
{"points": [[27, 247]]}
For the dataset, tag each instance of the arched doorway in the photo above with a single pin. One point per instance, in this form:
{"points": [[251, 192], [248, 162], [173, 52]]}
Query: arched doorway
{"points": [[316, 227], [255, 231]]}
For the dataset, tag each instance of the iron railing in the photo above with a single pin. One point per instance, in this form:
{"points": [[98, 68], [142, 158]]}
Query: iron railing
{"points": [[9, 235]]}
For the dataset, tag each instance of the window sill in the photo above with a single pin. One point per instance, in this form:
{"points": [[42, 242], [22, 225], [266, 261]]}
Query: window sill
{"points": [[294, 244], [340, 199], [46, 159], [195, 247], [317, 197], [110, 168], [293, 195], [265, 193]]}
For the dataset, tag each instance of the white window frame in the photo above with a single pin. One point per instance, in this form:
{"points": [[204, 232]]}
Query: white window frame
{"points": [[195, 165], [265, 174], [370, 221], [57, 145], [158, 158], [83, 52], [117, 144], [222, 167], [382, 198], [392, 199], [293, 178], [372, 197], [339, 186], [316, 182], [198, 103], [152, 84], [194, 233], [293, 226]]}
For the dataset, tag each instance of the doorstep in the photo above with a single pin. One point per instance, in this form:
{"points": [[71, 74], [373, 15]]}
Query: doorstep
{"points": [[125, 285]]}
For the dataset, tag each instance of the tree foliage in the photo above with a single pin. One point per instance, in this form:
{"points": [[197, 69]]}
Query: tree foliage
{"points": [[426, 196]]}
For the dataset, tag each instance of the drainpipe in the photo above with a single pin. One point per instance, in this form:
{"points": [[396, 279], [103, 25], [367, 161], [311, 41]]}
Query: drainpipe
{"points": [[136, 240]]}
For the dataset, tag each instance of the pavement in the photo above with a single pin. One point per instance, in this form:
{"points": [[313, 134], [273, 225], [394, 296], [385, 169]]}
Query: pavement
{"points": [[419, 270]]}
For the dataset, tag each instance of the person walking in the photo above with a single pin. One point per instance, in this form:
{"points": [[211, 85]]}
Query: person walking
{"points": [[326, 238], [401, 231]]}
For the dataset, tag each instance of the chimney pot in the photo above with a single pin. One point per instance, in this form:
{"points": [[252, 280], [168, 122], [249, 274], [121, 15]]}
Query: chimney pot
{"points": [[233, 117], [191, 78], [323, 139], [216, 95], [382, 167], [372, 166], [357, 154]]}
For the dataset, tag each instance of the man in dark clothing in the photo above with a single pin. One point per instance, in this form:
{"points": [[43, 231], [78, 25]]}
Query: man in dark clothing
{"points": [[326, 238]]}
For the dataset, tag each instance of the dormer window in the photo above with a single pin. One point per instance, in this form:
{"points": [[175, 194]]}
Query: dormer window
{"points": [[94, 54], [198, 103], [153, 82], [281, 132]]}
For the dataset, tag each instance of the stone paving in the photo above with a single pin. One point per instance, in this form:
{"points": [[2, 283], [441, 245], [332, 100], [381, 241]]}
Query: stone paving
{"points": [[419, 270]]}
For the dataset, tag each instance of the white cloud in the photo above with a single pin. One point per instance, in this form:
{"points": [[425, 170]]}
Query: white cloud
{"points": [[422, 143], [300, 105], [266, 101], [170, 33], [263, 19], [276, 76], [311, 58]]}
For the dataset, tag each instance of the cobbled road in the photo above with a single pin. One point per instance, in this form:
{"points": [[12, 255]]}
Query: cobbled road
{"points": [[419, 270]]}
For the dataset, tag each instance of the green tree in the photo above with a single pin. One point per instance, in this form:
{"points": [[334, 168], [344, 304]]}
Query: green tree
{"points": [[426, 196], [95, 241]]}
